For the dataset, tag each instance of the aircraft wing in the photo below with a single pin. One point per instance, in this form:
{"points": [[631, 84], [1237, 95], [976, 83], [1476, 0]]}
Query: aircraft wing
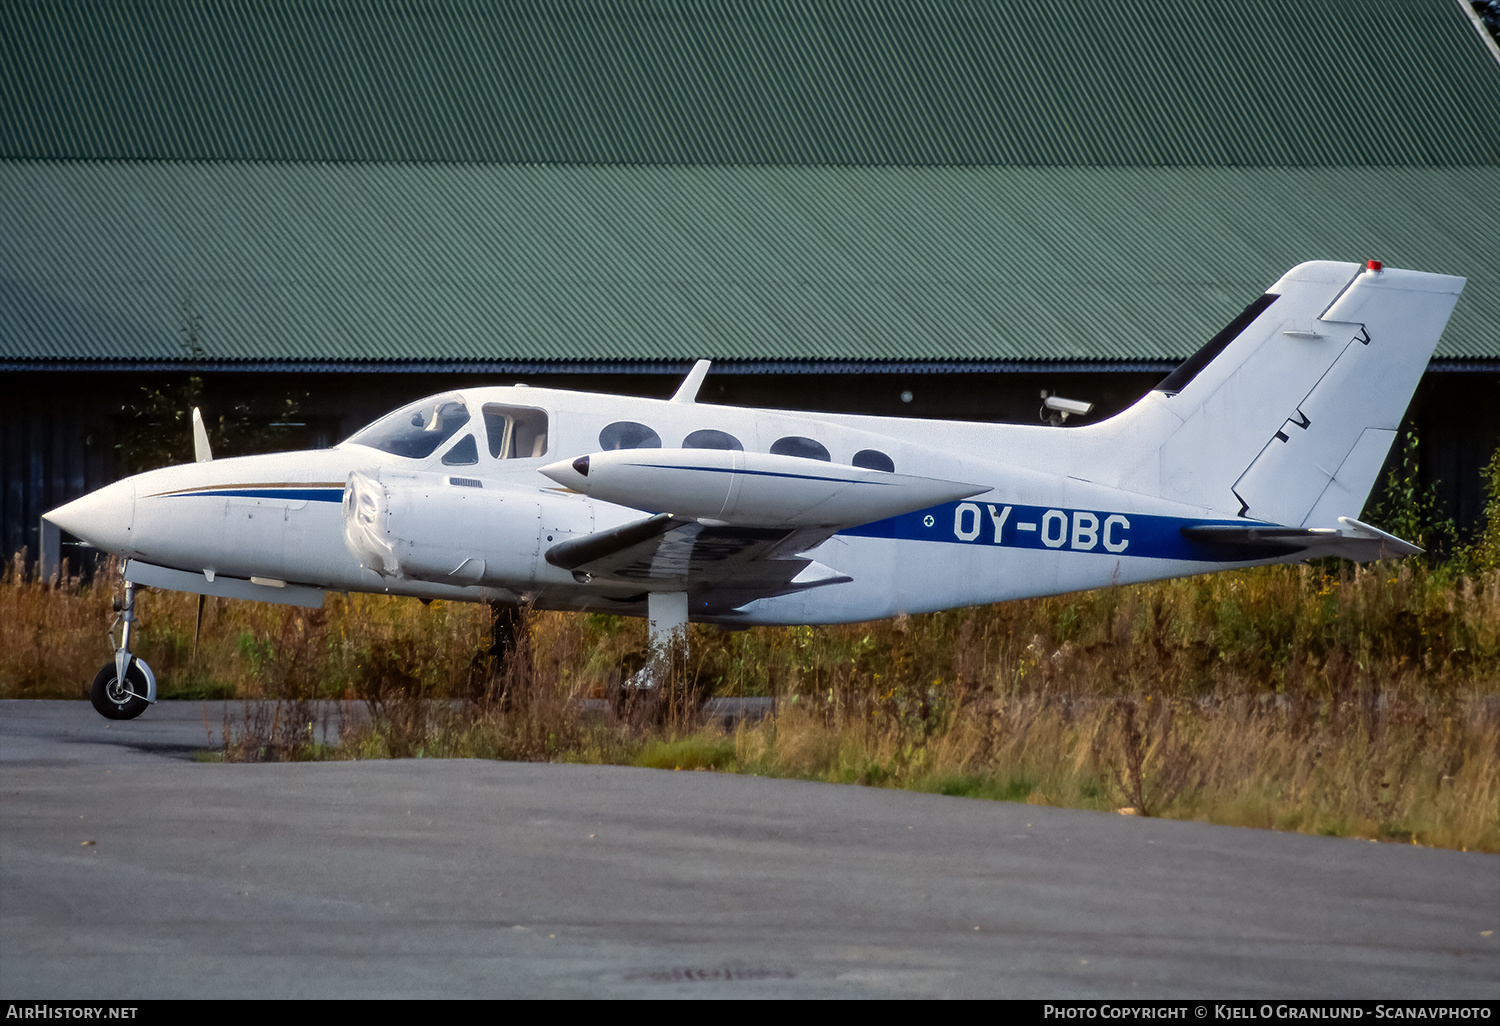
{"points": [[729, 526], [723, 566]]}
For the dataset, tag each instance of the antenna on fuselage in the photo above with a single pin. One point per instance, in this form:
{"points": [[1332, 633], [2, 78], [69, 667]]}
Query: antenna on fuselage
{"points": [[687, 392]]}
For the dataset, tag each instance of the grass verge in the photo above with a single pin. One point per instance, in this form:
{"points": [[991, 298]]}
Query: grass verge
{"points": [[1353, 701]]}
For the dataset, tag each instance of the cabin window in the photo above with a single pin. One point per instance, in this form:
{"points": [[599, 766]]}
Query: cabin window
{"points": [[796, 445], [464, 452], [711, 439], [627, 434], [415, 431], [515, 432], [874, 459]]}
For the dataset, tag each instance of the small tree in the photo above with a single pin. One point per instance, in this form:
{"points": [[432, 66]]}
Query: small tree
{"points": [[1485, 552], [1409, 509], [156, 429]]}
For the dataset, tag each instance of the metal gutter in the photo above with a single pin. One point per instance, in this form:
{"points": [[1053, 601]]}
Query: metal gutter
{"points": [[1449, 365]]}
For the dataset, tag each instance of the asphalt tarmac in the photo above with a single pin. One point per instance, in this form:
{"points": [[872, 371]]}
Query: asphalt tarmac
{"points": [[127, 870]]}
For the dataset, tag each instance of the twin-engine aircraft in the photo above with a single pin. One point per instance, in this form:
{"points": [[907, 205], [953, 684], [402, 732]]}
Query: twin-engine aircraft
{"points": [[1261, 448]]}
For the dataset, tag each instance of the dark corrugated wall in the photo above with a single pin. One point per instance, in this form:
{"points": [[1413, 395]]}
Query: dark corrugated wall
{"points": [[51, 450]]}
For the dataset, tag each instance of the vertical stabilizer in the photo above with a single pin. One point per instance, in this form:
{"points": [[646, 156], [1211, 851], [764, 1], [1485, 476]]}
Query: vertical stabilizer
{"points": [[1288, 414]]}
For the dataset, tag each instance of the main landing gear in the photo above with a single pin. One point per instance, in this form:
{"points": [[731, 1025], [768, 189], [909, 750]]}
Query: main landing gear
{"points": [[123, 688], [660, 690], [666, 656]]}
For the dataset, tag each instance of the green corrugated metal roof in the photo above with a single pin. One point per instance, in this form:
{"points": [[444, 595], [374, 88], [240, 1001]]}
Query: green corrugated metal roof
{"points": [[471, 262], [803, 82]]}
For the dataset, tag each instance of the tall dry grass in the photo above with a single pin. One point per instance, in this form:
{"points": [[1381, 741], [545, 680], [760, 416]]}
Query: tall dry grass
{"points": [[1408, 774], [1348, 700]]}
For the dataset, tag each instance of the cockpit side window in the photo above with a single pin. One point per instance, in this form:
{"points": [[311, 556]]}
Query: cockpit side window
{"points": [[463, 453], [627, 434], [515, 432], [416, 431]]}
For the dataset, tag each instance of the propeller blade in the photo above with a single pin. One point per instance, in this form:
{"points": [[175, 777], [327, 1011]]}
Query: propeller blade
{"points": [[201, 451], [198, 627]]}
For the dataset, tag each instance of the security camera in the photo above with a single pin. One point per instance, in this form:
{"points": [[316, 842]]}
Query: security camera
{"points": [[1056, 409], [1061, 405]]}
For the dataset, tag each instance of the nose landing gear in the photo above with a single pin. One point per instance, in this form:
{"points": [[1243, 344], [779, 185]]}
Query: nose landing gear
{"points": [[123, 688]]}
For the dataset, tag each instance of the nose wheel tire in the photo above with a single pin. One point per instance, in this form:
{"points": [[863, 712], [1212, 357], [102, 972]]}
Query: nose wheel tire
{"points": [[116, 702]]}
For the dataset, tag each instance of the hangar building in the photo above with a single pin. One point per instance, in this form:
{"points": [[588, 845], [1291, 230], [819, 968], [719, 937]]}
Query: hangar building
{"points": [[932, 208]]}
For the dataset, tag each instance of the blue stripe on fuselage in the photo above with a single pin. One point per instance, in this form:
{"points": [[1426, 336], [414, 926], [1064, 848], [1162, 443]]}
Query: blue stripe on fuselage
{"points": [[1049, 529], [304, 494], [756, 473]]}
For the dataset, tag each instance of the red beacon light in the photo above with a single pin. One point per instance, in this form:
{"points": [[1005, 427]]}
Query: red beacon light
{"points": [[1373, 265]]}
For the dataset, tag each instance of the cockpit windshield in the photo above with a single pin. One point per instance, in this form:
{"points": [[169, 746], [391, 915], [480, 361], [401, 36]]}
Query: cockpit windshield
{"points": [[417, 430]]}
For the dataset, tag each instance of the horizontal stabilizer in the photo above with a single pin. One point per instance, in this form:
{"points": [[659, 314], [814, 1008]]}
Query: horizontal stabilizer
{"points": [[1388, 546], [1354, 540]]}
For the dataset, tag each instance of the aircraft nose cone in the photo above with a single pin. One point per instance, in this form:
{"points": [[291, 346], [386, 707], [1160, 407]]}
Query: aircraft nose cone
{"points": [[103, 518]]}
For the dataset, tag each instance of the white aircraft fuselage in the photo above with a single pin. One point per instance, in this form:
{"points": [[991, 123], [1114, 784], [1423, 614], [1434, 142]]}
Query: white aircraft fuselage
{"points": [[1263, 448], [281, 516]]}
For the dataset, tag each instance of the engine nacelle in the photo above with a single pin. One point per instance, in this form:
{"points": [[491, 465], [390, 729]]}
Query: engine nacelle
{"points": [[723, 486], [449, 529]]}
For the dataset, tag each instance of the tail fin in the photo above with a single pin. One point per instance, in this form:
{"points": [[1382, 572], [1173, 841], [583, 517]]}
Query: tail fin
{"points": [[1287, 415]]}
